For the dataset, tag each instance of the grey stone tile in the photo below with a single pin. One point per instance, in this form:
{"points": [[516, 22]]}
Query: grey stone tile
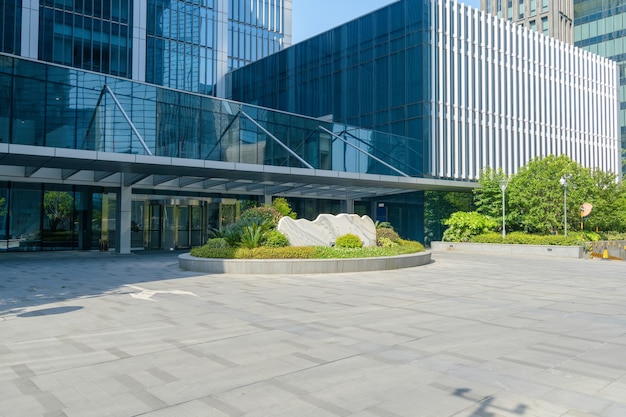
{"points": [[543, 333]]}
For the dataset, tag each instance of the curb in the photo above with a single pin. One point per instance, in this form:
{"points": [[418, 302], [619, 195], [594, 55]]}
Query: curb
{"points": [[301, 266]]}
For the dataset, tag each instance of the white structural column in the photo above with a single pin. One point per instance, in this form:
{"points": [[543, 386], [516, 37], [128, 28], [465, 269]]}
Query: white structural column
{"points": [[30, 28], [140, 15], [123, 218]]}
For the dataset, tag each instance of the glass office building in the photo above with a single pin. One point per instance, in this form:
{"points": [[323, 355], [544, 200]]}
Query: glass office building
{"points": [[184, 44], [551, 18], [86, 157], [600, 27], [119, 139], [474, 90]]}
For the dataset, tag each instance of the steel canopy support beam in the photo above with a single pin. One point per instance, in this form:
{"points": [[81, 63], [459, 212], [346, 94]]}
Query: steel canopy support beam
{"points": [[185, 181], [130, 179], [364, 152], [130, 123], [160, 179], [30, 171], [100, 175], [287, 148], [66, 173]]}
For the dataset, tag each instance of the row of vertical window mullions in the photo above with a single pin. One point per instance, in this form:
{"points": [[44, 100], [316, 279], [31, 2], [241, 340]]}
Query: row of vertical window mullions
{"points": [[10, 26], [110, 56], [112, 10], [257, 13]]}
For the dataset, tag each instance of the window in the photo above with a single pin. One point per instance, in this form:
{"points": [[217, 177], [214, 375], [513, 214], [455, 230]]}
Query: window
{"points": [[544, 25], [520, 10]]}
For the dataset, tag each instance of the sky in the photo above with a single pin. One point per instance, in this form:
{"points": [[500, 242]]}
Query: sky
{"points": [[310, 17]]}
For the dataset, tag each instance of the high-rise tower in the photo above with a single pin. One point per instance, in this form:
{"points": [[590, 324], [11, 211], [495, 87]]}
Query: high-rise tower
{"points": [[183, 44], [600, 28], [552, 18]]}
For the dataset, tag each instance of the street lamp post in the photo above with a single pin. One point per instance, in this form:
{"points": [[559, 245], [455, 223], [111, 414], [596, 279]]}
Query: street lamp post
{"points": [[563, 182], [503, 185]]}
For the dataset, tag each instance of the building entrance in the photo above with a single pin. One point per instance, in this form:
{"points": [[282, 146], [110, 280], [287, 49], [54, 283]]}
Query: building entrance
{"points": [[178, 223]]}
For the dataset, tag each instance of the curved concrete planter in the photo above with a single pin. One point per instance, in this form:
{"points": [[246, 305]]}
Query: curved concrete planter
{"points": [[575, 252], [300, 266]]}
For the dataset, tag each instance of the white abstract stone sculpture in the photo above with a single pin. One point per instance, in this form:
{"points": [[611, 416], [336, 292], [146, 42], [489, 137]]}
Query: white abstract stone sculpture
{"points": [[324, 230]]}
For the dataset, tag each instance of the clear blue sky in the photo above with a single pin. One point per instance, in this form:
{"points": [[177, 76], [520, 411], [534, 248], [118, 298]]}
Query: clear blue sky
{"points": [[311, 17]]}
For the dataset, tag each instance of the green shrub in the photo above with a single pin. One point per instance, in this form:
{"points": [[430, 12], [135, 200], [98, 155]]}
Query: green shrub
{"points": [[409, 246], [253, 235], [612, 236], [386, 233], [464, 225], [383, 225], [281, 205], [287, 252], [208, 252], [348, 241], [218, 242], [275, 239], [232, 234], [260, 215], [385, 242]]}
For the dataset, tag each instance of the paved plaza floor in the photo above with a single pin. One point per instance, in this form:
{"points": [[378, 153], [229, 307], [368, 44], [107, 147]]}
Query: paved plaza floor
{"points": [[92, 334]]}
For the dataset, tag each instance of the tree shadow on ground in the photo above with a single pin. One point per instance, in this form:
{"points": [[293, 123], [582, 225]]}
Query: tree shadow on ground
{"points": [[486, 407]]}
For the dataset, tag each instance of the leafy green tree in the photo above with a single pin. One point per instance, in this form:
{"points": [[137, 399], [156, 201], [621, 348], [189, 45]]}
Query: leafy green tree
{"points": [[488, 197], [608, 198], [3, 206], [536, 197], [57, 206]]}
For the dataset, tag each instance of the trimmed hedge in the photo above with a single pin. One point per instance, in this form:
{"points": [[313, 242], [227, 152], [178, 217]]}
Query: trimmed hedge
{"points": [[519, 238], [307, 252]]}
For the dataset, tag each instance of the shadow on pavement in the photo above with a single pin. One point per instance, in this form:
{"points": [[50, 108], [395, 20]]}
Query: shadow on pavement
{"points": [[32, 279]]}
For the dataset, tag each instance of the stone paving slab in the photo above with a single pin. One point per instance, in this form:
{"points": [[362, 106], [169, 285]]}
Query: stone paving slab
{"points": [[93, 334]]}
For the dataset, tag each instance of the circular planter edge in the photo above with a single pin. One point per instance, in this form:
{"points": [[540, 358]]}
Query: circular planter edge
{"points": [[301, 266]]}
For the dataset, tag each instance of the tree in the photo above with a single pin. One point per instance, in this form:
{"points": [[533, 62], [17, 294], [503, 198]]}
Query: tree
{"points": [[488, 197], [608, 198], [57, 206], [438, 206], [536, 198]]}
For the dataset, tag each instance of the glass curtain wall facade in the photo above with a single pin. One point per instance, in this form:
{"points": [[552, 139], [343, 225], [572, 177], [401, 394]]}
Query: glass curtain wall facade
{"points": [[477, 91], [600, 27], [10, 26], [63, 107], [257, 28], [93, 35], [183, 44], [362, 73]]}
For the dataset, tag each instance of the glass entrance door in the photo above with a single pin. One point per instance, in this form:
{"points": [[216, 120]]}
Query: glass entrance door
{"points": [[178, 223], [169, 226]]}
